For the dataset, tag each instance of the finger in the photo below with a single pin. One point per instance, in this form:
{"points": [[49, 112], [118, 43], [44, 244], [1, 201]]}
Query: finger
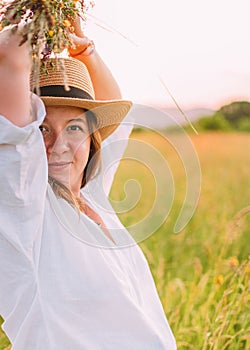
{"points": [[76, 24], [79, 44], [79, 41]]}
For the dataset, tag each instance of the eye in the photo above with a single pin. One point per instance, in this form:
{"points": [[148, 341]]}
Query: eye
{"points": [[74, 128], [44, 129]]}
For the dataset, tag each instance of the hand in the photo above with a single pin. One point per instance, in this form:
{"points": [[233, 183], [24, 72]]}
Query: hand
{"points": [[82, 45]]}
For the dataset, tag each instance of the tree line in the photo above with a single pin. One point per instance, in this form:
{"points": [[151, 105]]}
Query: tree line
{"points": [[234, 116]]}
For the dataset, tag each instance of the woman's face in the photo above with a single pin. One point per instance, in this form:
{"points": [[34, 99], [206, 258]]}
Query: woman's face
{"points": [[67, 141]]}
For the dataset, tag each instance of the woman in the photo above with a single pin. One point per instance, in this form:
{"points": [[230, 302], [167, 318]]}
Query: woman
{"points": [[64, 284]]}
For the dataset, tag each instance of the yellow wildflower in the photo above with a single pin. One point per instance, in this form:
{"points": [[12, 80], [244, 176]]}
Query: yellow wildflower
{"points": [[219, 279], [66, 23], [51, 33]]}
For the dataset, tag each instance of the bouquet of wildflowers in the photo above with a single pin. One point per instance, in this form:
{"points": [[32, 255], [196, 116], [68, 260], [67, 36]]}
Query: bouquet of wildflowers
{"points": [[45, 25]]}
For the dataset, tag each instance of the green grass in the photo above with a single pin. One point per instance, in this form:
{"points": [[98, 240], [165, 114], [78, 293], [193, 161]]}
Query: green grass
{"points": [[202, 273]]}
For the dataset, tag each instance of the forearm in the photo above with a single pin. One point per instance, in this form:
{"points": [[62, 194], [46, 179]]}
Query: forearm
{"points": [[14, 77], [104, 83]]}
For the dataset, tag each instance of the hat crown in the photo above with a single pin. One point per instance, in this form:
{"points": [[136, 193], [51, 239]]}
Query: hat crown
{"points": [[64, 72], [58, 73]]}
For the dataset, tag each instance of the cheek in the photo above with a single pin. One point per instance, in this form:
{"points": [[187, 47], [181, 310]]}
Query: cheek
{"points": [[81, 153], [46, 143]]}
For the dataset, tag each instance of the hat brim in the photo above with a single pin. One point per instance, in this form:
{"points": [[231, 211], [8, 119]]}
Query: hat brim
{"points": [[109, 114]]}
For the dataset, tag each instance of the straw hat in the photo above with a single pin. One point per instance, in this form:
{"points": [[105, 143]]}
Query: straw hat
{"points": [[109, 114]]}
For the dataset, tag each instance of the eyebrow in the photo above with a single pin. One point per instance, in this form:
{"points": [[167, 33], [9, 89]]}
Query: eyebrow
{"points": [[78, 120]]}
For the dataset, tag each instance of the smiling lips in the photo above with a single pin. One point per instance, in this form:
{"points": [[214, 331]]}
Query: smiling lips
{"points": [[60, 165]]}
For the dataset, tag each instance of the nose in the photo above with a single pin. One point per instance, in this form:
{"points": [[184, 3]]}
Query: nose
{"points": [[58, 145]]}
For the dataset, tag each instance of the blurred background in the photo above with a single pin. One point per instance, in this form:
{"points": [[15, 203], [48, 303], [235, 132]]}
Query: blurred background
{"points": [[199, 48], [199, 51]]}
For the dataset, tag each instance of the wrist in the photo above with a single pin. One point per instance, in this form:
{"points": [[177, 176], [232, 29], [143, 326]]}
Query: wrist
{"points": [[86, 51]]}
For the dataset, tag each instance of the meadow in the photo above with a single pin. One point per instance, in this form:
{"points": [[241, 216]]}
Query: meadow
{"points": [[201, 273]]}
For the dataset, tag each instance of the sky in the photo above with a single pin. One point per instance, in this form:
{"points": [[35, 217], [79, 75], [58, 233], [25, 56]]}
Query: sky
{"points": [[199, 49]]}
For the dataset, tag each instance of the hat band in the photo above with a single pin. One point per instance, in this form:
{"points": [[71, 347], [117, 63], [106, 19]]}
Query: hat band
{"points": [[59, 91]]}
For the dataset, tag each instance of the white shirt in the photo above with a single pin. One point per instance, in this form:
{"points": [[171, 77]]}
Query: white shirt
{"points": [[63, 284]]}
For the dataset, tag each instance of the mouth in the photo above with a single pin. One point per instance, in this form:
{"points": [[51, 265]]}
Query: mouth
{"points": [[59, 165]]}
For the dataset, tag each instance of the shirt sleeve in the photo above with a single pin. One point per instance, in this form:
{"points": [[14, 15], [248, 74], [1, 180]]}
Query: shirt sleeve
{"points": [[23, 179]]}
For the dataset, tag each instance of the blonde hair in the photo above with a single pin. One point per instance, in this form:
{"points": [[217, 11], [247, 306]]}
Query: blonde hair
{"points": [[91, 170]]}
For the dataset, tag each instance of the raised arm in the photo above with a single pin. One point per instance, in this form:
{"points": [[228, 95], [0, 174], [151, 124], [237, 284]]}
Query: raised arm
{"points": [[14, 77], [105, 85]]}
